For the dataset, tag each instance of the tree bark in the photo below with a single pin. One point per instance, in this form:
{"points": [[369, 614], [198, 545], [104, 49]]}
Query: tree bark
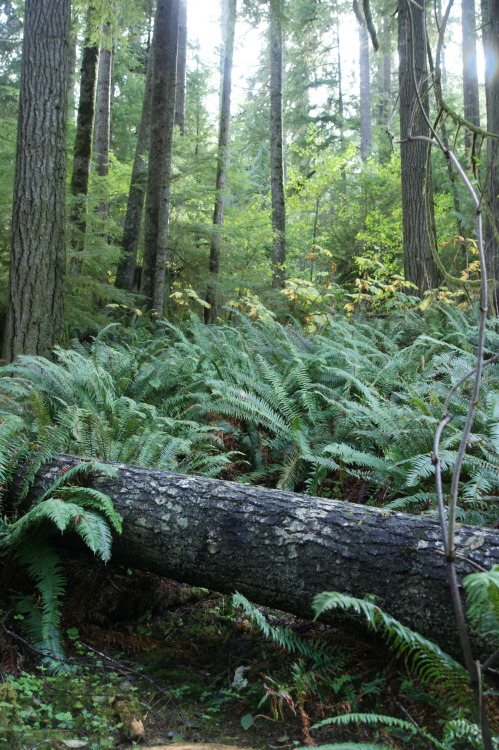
{"points": [[82, 153], [102, 128], [222, 161], [276, 147], [490, 23], [181, 67], [470, 74], [279, 549], [38, 248], [161, 142], [419, 266], [365, 93], [135, 205]]}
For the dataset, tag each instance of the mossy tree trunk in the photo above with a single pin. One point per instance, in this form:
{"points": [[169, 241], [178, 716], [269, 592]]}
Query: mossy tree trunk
{"points": [[38, 249]]}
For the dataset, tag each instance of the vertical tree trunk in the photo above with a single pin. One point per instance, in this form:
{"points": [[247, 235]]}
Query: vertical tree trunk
{"points": [[133, 218], [229, 21], [419, 265], [161, 140], [82, 154], [365, 93], [38, 250], [73, 42], [490, 24], [276, 147], [181, 67], [102, 128], [470, 73], [386, 74]]}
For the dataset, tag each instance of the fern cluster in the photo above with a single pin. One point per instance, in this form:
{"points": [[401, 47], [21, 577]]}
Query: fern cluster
{"points": [[349, 411]]}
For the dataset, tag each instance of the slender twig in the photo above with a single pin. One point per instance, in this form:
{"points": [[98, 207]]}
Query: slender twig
{"points": [[448, 525]]}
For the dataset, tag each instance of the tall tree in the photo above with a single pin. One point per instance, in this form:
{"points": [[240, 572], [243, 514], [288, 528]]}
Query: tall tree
{"points": [[365, 86], [82, 153], [133, 218], [229, 9], [102, 128], [164, 52], [181, 67], [419, 266], [470, 72], [38, 250], [276, 146], [490, 24]]}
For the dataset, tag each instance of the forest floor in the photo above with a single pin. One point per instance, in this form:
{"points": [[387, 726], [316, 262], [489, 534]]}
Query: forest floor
{"points": [[160, 667]]}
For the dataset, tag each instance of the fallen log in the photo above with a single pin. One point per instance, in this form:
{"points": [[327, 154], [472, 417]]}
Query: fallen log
{"points": [[279, 549]]}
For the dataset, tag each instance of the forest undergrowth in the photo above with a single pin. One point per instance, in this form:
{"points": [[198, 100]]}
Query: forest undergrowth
{"points": [[348, 412]]}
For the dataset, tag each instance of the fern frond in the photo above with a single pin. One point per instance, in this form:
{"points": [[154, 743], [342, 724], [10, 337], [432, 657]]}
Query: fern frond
{"points": [[482, 594], [381, 720], [95, 532], [429, 662], [285, 637]]}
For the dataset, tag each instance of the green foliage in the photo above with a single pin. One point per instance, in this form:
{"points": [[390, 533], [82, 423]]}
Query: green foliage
{"points": [[428, 661], [37, 709], [285, 637], [27, 536], [482, 594]]}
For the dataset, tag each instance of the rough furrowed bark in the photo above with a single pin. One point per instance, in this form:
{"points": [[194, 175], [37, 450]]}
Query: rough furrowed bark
{"points": [[279, 549]]}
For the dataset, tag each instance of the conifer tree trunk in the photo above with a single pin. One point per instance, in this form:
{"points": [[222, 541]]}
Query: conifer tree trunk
{"points": [[102, 128], [161, 141], [365, 92], [386, 75], [181, 67], [38, 248], [470, 74], [82, 154], [133, 217], [229, 10], [276, 146], [419, 266], [490, 23]]}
